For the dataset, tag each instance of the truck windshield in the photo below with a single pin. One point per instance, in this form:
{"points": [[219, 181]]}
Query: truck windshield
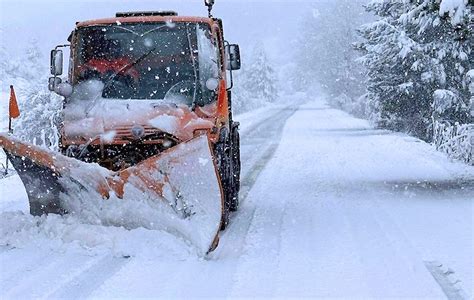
{"points": [[170, 61]]}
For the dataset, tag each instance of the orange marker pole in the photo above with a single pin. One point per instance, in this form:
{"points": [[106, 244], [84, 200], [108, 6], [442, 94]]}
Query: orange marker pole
{"points": [[13, 113], [13, 110]]}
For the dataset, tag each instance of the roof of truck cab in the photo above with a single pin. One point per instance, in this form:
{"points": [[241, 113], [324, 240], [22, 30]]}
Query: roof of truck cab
{"points": [[144, 19]]}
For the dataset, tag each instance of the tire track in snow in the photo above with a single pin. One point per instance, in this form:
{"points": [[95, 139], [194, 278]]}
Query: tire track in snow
{"points": [[259, 143], [263, 235], [239, 234], [241, 221], [375, 234], [316, 263], [88, 279], [45, 276], [445, 277], [23, 269]]}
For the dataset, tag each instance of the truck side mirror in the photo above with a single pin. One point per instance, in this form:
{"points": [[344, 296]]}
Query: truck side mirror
{"points": [[56, 62], [53, 83], [233, 57], [61, 88]]}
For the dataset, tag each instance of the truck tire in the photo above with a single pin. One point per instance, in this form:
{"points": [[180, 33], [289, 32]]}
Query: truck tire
{"points": [[236, 167], [224, 163]]}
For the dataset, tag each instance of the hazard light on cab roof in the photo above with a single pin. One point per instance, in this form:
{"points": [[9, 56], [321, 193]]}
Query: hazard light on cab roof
{"points": [[146, 14]]}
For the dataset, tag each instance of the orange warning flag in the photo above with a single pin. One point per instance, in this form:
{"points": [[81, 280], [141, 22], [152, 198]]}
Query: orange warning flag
{"points": [[13, 107]]}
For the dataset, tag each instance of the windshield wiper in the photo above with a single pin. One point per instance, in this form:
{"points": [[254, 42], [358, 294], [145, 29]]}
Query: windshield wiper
{"points": [[128, 67], [138, 60]]}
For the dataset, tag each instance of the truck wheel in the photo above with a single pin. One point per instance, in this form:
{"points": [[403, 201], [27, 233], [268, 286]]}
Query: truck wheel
{"points": [[236, 166]]}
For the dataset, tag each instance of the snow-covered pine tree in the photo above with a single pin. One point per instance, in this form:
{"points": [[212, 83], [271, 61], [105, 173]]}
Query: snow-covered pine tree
{"points": [[453, 104], [410, 53], [260, 77], [256, 84], [398, 99], [470, 76], [443, 36]]}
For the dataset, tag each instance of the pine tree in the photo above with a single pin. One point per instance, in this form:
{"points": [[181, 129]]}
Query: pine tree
{"points": [[470, 79], [386, 81], [260, 77], [256, 84], [413, 54], [444, 44]]}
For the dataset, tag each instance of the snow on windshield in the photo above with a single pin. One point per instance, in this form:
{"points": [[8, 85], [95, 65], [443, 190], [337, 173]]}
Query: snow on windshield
{"points": [[208, 62]]}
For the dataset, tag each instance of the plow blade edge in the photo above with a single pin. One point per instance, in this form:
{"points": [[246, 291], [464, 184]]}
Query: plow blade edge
{"points": [[177, 191]]}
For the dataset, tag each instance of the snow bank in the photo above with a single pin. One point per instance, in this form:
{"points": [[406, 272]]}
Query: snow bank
{"points": [[457, 140], [66, 233], [9, 200]]}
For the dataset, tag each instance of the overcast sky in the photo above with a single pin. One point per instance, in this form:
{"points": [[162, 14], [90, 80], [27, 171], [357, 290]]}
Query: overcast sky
{"points": [[276, 23]]}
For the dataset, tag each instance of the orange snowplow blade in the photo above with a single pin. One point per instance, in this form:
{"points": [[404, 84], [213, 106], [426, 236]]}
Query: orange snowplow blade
{"points": [[177, 191]]}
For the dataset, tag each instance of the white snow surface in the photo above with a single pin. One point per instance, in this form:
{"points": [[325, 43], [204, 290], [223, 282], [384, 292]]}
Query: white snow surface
{"points": [[340, 210], [455, 9], [165, 123]]}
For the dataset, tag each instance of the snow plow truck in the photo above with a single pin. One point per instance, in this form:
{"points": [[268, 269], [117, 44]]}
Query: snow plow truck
{"points": [[147, 136]]}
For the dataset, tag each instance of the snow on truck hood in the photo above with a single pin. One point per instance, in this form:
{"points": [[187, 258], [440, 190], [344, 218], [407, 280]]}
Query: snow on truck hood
{"points": [[89, 116]]}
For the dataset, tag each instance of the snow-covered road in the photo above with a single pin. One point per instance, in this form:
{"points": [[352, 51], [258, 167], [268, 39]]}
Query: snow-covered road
{"points": [[330, 208]]}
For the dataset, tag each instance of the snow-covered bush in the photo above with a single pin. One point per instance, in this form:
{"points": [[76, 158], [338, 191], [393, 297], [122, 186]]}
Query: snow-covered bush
{"points": [[470, 79], [455, 140], [449, 106], [39, 107], [40, 112], [256, 84]]}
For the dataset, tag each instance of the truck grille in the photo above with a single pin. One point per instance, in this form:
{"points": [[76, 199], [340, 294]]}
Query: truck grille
{"points": [[125, 133]]}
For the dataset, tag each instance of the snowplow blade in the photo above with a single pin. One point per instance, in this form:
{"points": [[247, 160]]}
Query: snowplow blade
{"points": [[177, 191]]}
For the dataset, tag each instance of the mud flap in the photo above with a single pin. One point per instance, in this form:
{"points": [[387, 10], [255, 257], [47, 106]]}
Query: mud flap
{"points": [[177, 191]]}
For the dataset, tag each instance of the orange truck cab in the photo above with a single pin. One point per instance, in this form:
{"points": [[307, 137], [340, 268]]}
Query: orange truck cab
{"points": [[142, 83]]}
